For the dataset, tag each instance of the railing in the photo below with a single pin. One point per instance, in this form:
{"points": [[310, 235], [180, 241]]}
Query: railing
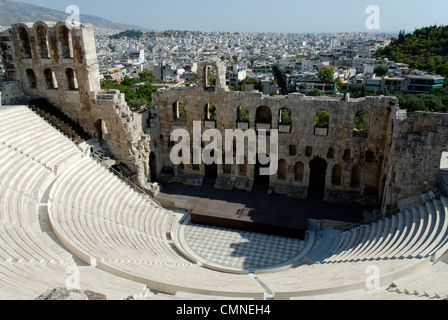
{"points": [[99, 159]]}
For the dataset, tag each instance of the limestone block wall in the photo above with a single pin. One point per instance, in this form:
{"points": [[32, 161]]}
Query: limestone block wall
{"points": [[11, 93], [48, 60], [414, 162], [299, 144]]}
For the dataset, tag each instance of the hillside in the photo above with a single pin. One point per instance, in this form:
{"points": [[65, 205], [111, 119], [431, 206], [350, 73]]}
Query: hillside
{"points": [[425, 49], [14, 12]]}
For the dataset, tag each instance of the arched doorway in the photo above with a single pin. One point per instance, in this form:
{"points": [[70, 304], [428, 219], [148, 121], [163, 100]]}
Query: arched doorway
{"points": [[261, 182], [210, 171], [318, 174]]}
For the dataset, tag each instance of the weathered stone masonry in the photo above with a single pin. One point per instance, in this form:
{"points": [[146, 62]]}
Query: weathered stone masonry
{"points": [[395, 158], [47, 60]]}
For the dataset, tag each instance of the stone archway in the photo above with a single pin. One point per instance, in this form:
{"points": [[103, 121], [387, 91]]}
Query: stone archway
{"points": [[318, 174]]}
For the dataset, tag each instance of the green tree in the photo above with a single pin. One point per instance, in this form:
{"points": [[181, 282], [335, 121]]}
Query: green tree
{"points": [[326, 75], [286, 116], [322, 119], [315, 93], [244, 114], [380, 70], [147, 76]]}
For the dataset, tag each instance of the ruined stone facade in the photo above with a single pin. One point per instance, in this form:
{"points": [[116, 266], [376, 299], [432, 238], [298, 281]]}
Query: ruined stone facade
{"points": [[391, 158], [48, 60]]}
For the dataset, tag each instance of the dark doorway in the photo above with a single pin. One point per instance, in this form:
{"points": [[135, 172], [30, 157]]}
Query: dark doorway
{"points": [[211, 173], [318, 174], [153, 166], [261, 181], [99, 130]]}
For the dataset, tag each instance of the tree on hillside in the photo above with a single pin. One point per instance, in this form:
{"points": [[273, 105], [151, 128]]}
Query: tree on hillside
{"points": [[380, 70], [326, 75]]}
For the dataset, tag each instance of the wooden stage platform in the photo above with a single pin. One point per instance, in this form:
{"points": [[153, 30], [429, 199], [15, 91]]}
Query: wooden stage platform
{"points": [[257, 211]]}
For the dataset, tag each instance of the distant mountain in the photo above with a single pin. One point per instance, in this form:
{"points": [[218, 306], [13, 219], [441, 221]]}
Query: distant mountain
{"points": [[13, 12]]}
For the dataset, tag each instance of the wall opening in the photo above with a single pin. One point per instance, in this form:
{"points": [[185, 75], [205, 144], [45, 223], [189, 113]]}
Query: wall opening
{"points": [[318, 173], [243, 114], [336, 179], [50, 79], [179, 112], [72, 82], [322, 123], [25, 41], [285, 116], [308, 151], [261, 182], [299, 171], [210, 112], [65, 40], [264, 115], [210, 171], [153, 166], [210, 77], [42, 41], [362, 121], [31, 76], [292, 150], [282, 170], [99, 130], [356, 177]]}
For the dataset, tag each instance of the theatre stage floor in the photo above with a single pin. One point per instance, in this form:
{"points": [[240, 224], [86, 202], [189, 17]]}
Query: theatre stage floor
{"points": [[257, 211]]}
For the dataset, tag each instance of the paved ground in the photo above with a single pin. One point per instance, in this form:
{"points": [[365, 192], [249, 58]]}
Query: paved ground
{"points": [[240, 250], [243, 250]]}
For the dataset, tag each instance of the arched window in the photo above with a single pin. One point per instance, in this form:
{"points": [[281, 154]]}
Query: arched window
{"points": [[282, 170], [285, 117], [356, 177], [322, 119], [264, 115], [299, 171], [308, 151], [330, 154], [210, 77], [322, 123], [210, 112], [336, 179], [361, 125], [72, 83], [50, 79], [32, 83], [42, 41], [65, 40], [179, 111], [370, 156], [25, 40], [243, 114]]}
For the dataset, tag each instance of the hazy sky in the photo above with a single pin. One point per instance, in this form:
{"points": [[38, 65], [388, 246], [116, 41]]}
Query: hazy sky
{"points": [[294, 16]]}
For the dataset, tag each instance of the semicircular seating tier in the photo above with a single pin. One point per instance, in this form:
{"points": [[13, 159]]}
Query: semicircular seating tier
{"points": [[32, 260], [63, 216]]}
